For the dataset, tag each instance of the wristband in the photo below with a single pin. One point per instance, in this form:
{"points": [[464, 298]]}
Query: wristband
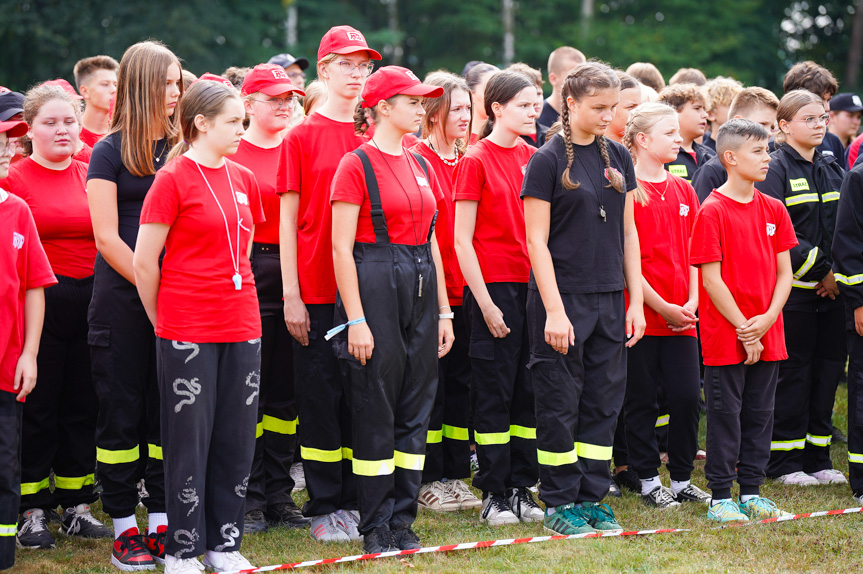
{"points": [[339, 328], [446, 316]]}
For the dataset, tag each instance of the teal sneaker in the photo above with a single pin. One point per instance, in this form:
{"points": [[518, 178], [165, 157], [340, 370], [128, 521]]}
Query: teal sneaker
{"points": [[726, 511], [567, 520], [600, 517], [759, 508]]}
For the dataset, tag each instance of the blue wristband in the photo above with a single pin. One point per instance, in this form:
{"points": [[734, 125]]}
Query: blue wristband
{"points": [[339, 328]]}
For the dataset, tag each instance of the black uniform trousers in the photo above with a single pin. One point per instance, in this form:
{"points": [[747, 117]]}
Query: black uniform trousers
{"points": [[578, 395], [60, 414], [739, 401], [855, 412], [123, 355], [391, 396], [447, 445], [806, 391], [209, 406], [669, 364], [504, 417], [276, 433], [325, 431], [11, 412]]}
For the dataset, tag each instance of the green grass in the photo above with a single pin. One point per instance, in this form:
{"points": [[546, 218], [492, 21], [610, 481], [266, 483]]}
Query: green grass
{"points": [[828, 544]]}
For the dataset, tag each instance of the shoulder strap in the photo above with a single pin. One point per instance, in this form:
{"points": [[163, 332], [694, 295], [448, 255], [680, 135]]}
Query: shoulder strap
{"points": [[422, 161], [379, 221]]}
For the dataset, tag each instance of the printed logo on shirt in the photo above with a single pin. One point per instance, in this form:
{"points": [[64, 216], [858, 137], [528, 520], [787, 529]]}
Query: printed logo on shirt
{"points": [[242, 198], [678, 170], [684, 210], [17, 240], [799, 184], [355, 37], [771, 230], [422, 182], [523, 169], [279, 74], [611, 170], [412, 76]]}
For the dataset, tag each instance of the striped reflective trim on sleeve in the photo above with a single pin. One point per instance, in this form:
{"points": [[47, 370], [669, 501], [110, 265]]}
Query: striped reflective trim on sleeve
{"points": [[548, 458], [106, 456], [807, 265], [155, 451], [318, 455], [593, 451], [662, 421], [802, 198], [522, 432], [490, 438], [374, 467], [73, 482], [434, 436], [819, 440], [855, 458], [803, 284], [34, 487], [280, 426], [830, 196], [455, 433], [788, 444], [849, 279], [8, 529], [409, 461]]}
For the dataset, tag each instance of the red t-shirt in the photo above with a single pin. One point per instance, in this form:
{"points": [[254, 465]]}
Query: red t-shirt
{"points": [[24, 266], [58, 200], [492, 175], [445, 224], [408, 198], [197, 301], [745, 237], [84, 154], [663, 234], [307, 163], [89, 138], [263, 163]]}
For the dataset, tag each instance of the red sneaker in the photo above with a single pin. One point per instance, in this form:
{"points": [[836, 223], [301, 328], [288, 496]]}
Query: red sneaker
{"points": [[155, 542], [130, 553]]}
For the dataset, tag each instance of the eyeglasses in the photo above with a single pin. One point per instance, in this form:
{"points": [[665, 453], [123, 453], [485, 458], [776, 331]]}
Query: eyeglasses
{"points": [[296, 75], [11, 147], [815, 121], [279, 103], [348, 68]]}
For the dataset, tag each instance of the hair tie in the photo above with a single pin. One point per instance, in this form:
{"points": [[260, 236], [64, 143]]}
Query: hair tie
{"points": [[187, 143]]}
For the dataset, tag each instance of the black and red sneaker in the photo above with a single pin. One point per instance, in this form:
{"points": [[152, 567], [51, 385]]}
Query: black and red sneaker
{"points": [[130, 553], [155, 542]]}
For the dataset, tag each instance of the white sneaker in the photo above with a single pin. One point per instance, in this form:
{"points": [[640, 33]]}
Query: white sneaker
{"points": [[858, 498], [524, 506], [182, 565], [327, 529], [462, 492], [496, 511], [829, 476], [298, 473], [798, 478], [349, 521], [226, 561], [437, 496]]}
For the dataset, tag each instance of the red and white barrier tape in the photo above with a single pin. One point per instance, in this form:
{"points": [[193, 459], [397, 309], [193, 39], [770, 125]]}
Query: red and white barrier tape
{"points": [[798, 517]]}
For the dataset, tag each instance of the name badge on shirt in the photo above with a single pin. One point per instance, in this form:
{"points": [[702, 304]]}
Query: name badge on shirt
{"points": [[799, 184], [422, 182], [242, 198], [678, 170], [771, 230], [684, 210]]}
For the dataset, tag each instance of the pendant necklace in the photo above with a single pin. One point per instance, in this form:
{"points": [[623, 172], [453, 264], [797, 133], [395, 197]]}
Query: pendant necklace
{"points": [[654, 187], [164, 147], [597, 186], [449, 162], [235, 259]]}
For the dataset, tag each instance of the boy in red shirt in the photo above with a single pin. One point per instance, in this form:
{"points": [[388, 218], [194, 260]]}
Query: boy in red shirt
{"points": [[740, 241], [26, 272], [96, 78]]}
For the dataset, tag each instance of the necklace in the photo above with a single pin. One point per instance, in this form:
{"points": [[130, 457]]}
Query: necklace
{"points": [[598, 189], [235, 259], [164, 147], [407, 195], [449, 162], [662, 193]]}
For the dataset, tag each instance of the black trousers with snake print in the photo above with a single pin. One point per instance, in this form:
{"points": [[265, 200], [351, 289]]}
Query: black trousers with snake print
{"points": [[209, 409]]}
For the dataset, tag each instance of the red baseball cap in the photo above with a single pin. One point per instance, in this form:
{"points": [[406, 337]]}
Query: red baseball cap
{"points": [[394, 80], [208, 77], [13, 129], [66, 86], [345, 40], [269, 79]]}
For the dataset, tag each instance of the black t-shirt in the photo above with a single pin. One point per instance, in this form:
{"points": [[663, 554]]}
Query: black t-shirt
{"points": [[548, 116], [708, 177], [832, 145], [106, 163], [587, 252]]}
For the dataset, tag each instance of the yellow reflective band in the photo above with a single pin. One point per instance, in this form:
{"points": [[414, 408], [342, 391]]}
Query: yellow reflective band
{"points": [[830, 196], [409, 461], [662, 421], [72, 482], [855, 458], [117, 456], [489, 438], [374, 467], [455, 433], [803, 284], [8, 529], [547, 458], [434, 436], [155, 451], [259, 430], [802, 198], [318, 455], [33, 487], [819, 440], [347, 453], [849, 279], [526, 433], [788, 444], [807, 265], [280, 426], [593, 451], [678, 170], [800, 184]]}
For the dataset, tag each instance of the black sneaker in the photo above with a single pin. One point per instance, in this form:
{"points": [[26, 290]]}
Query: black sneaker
{"points": [[692, 494], [254, 522], [614, 490], [379, 540], [77, 521], [33, 530], [660, 497], [406, 539], [628, 480], [286, 514]]}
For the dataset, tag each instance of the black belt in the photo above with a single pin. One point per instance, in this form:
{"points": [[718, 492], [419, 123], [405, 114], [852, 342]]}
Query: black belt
{"points": [[272, 248]]}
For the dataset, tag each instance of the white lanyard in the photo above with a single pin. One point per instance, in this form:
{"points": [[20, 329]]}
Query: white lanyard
{"points": [[235, 259]]}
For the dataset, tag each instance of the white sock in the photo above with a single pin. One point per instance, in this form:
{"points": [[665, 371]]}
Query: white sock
{"points": [[744, 498], [678, 485], [121, 525], [156, 520], [649, 484], [715, 501]]}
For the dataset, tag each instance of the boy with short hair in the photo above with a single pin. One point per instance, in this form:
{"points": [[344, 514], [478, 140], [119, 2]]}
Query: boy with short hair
{"points": [[560, 63], [720, 93], [820, 81], [753, 103], [689, 101], [24, 272], [740, 242], [688, 76], [96, 78]]}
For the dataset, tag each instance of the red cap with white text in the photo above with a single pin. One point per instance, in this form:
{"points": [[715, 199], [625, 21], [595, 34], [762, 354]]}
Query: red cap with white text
{"points": [[345, 40], [390, 81], [269, 79]]}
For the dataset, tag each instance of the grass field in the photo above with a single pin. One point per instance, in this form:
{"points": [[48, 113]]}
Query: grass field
{"points": [[828, 544]]}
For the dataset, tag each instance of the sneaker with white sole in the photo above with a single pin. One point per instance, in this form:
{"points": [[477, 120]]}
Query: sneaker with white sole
{"points": [[182, 565], [349, 521], [726, 511], [226, 561], [496, 510], [829, 476], [33, 530], [326, 529], [798, 478], [437, 496], [466, 498], [298, 473], [858, 498], [524, 506], [692, 494], [759, 508], [77, 521], [129, 552], [660, 497]]}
